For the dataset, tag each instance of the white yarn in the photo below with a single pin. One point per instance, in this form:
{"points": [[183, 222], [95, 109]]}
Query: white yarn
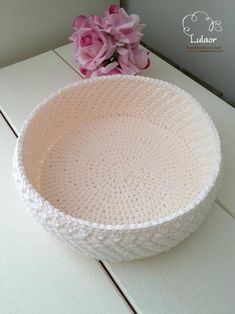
{"points": [[119, 167]]}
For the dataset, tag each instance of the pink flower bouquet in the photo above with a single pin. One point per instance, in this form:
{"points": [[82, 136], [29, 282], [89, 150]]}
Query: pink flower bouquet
{"points": [[109, 44]]}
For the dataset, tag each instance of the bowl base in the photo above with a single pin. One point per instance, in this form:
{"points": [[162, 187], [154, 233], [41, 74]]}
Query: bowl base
{"points": [[118, 170]]}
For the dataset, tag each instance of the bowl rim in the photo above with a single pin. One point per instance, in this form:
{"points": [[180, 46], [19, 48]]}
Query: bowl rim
{"points": [[22, 179]]}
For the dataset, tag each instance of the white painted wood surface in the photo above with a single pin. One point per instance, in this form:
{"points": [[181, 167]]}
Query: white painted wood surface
{"points": [[25, 84], [198, 275], [222, 114], [38, 274]]}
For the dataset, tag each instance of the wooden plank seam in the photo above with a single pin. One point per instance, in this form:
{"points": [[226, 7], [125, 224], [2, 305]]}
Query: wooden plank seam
{"points": [[104, 268]]}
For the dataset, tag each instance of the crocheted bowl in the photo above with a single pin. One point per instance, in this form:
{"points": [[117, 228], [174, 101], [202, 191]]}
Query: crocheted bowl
{"points": [[119, 167]]}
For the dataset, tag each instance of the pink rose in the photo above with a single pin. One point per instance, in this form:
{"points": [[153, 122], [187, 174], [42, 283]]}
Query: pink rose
{"points": [[133, 59], [109, 69], [130, 61], [123, 27], [83, 21], [109, 44], [92, 46]]}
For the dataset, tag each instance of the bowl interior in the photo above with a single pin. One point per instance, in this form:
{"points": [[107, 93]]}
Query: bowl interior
{"points": [[119, 151]]}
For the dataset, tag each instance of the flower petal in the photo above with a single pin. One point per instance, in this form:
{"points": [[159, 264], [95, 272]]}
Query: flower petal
{"points": [[141, 57]]}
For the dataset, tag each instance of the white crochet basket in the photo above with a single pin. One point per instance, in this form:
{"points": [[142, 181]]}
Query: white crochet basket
{"points": [[119, 167]]}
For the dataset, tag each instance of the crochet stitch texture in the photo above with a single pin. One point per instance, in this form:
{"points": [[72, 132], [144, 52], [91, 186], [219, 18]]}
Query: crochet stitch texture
{"points": [[119, 167]]}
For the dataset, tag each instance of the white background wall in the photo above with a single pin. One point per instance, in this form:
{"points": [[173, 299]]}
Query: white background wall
{"points": [[30, 27], [164, 33]]}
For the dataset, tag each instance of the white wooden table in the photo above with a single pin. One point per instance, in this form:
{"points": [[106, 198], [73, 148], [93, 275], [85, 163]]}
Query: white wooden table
{"points": [[39, 275]]}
